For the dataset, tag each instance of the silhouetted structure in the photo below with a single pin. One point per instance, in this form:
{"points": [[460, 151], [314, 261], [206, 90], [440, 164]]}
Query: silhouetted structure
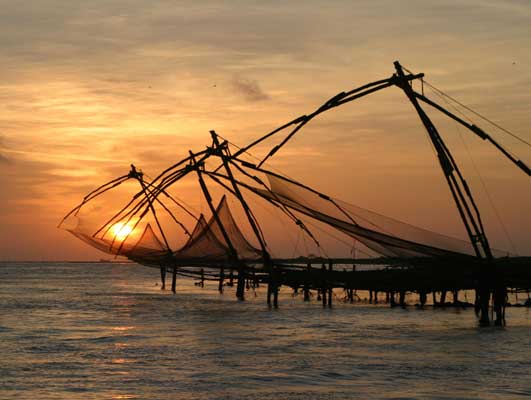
{"points": [[415, 260]]}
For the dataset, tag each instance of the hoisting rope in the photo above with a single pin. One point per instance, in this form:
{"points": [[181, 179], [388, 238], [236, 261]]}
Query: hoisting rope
{"points": [[514, 135]]}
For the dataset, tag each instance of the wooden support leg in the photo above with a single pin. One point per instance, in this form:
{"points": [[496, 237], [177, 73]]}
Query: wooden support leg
{"points": [[330, 288], [306, 293], [174, 279], [240, 288], [275, 295], [163, 277], [402, 298], [375, 298], [254, 279], [306, 288], [323, 284], [422, 298], [221, 279], [392, 299], [499, 299], [484, 301], [443, 298], [455, 295], [434, 298], [271, 284], [370, 296]]}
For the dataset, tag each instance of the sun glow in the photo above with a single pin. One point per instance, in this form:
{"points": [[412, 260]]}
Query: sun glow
{"points": [[121, 231]]}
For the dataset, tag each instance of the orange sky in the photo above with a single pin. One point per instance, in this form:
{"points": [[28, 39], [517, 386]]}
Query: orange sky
{"points": [[89, 87]]}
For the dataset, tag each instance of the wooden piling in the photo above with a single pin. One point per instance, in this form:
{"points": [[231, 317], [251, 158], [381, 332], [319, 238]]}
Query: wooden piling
{"points": [[221, 279], [402, 298], [174, 280], [422, 297], [323, 284], [330, 288], [484, 301], [499, 300], [240, 285], [442, 302], [163, 278], [306, 289]]}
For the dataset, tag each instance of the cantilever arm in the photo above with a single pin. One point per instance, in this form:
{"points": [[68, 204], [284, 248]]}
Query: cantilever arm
{"points": [[335, 101], [477, 130]]}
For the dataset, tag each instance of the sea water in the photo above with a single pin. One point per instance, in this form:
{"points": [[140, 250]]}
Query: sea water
{"points": [[107, 331]]}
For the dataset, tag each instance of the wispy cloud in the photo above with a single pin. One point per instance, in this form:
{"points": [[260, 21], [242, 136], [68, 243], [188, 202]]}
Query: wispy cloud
{"points": [[250, 89]]}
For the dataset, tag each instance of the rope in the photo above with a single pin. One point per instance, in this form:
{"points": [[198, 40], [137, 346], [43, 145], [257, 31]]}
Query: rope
{"points": [[474, 112]]}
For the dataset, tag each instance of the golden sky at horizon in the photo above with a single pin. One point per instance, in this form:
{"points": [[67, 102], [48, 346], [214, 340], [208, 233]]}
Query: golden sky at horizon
{"points": [[90, 87]]}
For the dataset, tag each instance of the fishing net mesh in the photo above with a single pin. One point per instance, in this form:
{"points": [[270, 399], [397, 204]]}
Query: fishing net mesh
{"points": [[384, 235]]}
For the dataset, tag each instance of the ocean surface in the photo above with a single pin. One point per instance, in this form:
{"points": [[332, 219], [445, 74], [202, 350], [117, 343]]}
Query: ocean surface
{"points": [[107, 331]]}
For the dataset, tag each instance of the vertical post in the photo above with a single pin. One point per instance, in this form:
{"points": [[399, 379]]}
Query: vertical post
{"points": [[276, 289], [500, 301], [323, 284], [442, 303], [253, 277], [174, 279], [306, 282], [422, 298], [330, 283], [163, 278], [221, 279], [484, 301], [351, 294], [272, 287], [240, 284], [269, 289], [402, 298]]}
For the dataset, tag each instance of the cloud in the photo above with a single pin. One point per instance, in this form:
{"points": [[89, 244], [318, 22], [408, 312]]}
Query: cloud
{"points": [[250, 89]]}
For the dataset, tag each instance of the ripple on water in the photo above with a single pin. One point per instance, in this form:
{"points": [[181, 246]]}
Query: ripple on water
{"points": [[121, 337]]}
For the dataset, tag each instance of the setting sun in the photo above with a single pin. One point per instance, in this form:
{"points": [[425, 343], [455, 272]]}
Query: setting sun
{"points": [[121, 231]]}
